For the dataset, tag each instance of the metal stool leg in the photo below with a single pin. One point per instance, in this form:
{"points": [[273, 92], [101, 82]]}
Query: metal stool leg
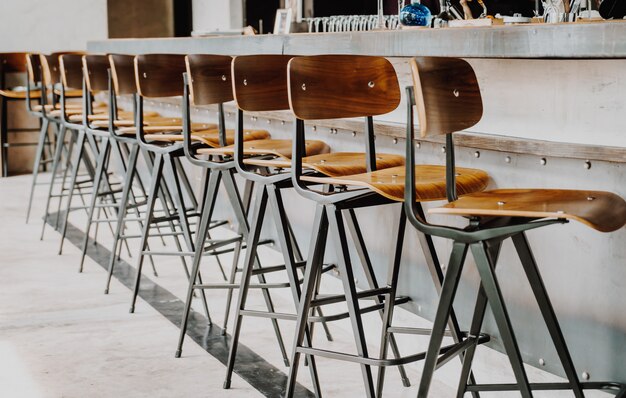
{"points": [[446, 298], [392, 283], [496, 301], [357, 237], [314, 263], [121, 214], [173, 177], [337, 227], [545, 306], [100, 169], [69, 166], [238, 207], [37, 163], [80, 156], [236, 255], [55, 167], [205, 219], [252, 241], [289, 246], [157, 170]]}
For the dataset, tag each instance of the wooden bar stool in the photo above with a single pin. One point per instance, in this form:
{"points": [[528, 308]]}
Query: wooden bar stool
{"points": [[208, 82], [447, 98], [97, 126], [329, 87], [121, 83], [35, 85], [86, 145], [61, 93], [259, 84], [160, 76]]}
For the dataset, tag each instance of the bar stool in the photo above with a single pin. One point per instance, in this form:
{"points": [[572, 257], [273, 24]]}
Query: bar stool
{"points": [[318, 87], [85, 142], [61, 92], [11, 63], [447, 97], [98, 126], [121, 83], [34, 84], [255, 79], [449, 87], [160, 76], [43, 72], [259, 84], [209, 79]]}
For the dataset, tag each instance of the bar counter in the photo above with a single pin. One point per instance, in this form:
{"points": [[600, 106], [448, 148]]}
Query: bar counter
{"points": [[554, 99]]}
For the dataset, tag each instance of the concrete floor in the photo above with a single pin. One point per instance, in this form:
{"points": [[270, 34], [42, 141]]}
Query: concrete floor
{"points": [[60, 336]]}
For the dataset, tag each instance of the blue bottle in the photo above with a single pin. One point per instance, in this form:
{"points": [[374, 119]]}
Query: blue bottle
{"points": [[415, 14]]}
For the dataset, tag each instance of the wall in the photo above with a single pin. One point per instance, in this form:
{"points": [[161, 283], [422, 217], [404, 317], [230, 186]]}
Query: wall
{"points": [[216, 15], [47, 26]]}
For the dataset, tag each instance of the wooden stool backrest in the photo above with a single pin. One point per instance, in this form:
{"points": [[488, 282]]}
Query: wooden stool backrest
{"points": [[71, 69], [123, 73], [260, 82], [11, 63], [33, 67], [447, 95], [209, 78], [50, 66], [96, 72], [342, 86], [160, 75]]}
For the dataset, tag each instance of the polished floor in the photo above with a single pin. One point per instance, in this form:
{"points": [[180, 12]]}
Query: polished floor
{"points": [[60, 336]]}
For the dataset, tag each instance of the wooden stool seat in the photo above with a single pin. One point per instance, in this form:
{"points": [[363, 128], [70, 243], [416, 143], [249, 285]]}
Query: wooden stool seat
{"points": [[49, 108], [167, 128], [70, 93], [19, 94], [603, 211], [105, 116], [150, 121], [208, 136], [337, 164], [279, 148], [430, 181]]}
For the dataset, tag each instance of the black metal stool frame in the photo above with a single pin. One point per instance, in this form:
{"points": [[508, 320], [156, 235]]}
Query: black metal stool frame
{"points": [[221, 171], [484, 237]]}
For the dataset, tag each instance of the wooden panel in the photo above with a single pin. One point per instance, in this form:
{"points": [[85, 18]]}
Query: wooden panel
{"points": [[145, 18], [430, 181], [603, 211], [447, 95], [160, 75], [209, 77], [260, 82], [123, 71], [71, 67], [342, 86], [96, 69]]}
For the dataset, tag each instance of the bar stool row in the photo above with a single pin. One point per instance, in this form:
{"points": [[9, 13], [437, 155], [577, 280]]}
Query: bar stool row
{"points": [[446, 96]]}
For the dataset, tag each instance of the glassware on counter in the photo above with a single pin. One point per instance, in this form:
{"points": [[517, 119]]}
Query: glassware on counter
{"points": [[415, 14]]}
